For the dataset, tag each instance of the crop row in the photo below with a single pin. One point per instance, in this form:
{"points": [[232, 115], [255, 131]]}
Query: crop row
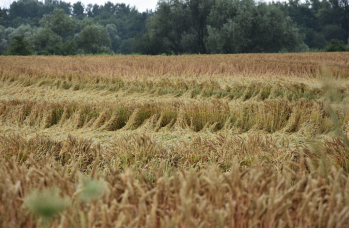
{"points": [[190, 88], [215, 115], [85, 68]]}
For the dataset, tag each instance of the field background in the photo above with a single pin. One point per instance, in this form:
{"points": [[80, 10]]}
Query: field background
{"points": [[249, 140]]}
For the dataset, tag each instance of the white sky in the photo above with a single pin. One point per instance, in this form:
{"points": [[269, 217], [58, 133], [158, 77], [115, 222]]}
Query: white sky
{"points": [[141, 5]]}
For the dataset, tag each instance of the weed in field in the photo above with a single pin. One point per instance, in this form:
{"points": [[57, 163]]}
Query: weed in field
{"points": [[46, 203]]}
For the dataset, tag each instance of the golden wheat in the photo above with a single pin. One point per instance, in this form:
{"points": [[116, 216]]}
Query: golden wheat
{"points": [[250, 140]]}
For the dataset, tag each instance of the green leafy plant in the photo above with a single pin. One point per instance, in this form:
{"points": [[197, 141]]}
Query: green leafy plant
{"points": [[90, 190], [46, 203]]}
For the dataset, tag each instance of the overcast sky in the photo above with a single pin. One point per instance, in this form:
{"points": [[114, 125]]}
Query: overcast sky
{"points": [[141, 5]]}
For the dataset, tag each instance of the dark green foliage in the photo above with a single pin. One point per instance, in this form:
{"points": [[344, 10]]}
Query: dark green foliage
{"points": [[171, 23], [146, 44], [94, 39], [59, 22], [336, 45], [24, 11], [320, 21], [3, 17], [334, 32], [179, 26], [56, 34], [115, 39], [78, 9], [44, 40], [241, 26], [62, 48], [225, 26], [19, 46], [125, 21], [126, 46], [314, 39]]}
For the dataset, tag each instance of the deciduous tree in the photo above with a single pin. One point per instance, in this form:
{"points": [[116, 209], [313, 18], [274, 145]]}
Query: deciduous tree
{"points": [[59, 22], [19, 46], [94, 39]]}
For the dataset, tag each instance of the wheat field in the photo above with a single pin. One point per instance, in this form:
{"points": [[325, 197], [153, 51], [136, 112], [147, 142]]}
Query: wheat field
{"points": [[249, 140]]}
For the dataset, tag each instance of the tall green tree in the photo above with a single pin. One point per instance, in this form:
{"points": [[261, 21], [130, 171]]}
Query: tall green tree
{"points": [[19, 46], [335, 12], [241, 26], [59, 22], [171, 24], [115, 39], [199, 12], [5, 38], [94, 39], [44, 40], [78, 9], [3, 17]]}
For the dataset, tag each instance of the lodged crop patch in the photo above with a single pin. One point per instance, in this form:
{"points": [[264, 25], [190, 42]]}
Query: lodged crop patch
{"points": [[257, 140]]}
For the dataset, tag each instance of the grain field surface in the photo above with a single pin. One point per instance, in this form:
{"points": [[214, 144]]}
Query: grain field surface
{"points": [[248, 140]]}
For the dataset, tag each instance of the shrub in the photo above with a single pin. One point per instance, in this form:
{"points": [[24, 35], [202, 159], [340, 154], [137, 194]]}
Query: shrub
{"points": [[336, 45], [19, 46]]}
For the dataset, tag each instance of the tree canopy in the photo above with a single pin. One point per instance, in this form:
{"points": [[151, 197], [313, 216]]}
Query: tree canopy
{"points": [[244, 27], [19, 46], [177, 27], [94, 39]]}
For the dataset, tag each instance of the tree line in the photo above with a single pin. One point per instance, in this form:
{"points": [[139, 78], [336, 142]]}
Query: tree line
{"points": [[175, 27]]}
